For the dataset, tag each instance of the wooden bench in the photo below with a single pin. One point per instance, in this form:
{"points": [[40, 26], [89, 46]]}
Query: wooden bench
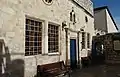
{"points": [[52, 70]]}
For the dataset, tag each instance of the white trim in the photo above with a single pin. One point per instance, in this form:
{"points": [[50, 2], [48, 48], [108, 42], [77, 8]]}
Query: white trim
{"points": [[32, 56], [59, 41], [45, 38], [34, 19], [54, 53], [53, 23]]}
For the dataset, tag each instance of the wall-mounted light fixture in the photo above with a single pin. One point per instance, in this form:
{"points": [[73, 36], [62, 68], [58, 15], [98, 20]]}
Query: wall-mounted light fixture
{"points": [[64, 23], [82, 29]]}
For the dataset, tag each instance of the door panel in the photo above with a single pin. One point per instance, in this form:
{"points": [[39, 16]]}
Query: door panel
{"points": [[73, 58]]}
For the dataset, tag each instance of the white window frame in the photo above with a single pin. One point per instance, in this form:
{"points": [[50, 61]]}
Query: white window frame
{"points": [[59, 31], [43, 23]]}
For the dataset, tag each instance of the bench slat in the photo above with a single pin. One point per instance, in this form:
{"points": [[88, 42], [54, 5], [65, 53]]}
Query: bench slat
{"points": [[52, 69]]}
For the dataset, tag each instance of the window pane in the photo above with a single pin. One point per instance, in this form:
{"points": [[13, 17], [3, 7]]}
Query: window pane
{"points": [[32, 22], [27, 32], [35, 33], [35, 43], [27, 43], [32, 27]]}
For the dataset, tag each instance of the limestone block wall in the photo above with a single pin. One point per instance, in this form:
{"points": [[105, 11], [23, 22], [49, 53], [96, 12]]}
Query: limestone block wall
{"points": [[12, 31]]}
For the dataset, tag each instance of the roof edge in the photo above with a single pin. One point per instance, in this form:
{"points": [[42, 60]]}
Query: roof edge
{"points": [[100, 8]]}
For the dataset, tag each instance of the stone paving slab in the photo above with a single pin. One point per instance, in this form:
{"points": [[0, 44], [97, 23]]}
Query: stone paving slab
{"points": [[98, 71]]}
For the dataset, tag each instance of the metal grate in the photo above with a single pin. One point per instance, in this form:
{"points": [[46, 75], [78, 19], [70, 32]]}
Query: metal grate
{"points": [[83, 40], [88, 40], [33, 37], [53, 38]]}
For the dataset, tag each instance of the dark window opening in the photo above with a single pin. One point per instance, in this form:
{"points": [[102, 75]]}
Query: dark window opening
{"points": [[88, 40], [86, 19]]}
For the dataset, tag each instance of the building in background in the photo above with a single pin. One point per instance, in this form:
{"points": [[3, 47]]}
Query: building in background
{"points": [[36, 32], [106, 37], [104, 22]]}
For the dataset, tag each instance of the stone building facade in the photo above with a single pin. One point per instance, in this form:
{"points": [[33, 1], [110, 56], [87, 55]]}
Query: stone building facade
{"points": [[66, 19]]}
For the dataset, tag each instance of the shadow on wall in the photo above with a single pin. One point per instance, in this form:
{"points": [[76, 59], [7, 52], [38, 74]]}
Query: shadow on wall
{"points": [[8, 67]]}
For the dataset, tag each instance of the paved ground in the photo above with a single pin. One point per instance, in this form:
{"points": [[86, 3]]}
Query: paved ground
{"points": [[98, 71]]}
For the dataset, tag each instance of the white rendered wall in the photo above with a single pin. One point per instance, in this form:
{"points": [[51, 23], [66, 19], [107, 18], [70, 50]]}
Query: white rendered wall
{"points": [[110, 25]]}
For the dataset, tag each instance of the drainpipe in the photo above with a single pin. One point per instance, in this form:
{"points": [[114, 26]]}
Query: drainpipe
{"points": [[78, 34], [66, 32]]}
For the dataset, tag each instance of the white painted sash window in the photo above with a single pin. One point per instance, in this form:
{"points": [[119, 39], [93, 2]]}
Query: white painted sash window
{"points": [[53, 38], [33, 37]]}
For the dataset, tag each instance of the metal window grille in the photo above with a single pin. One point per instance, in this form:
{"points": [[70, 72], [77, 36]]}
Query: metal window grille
{"points": [[53, 38], [83, 40], [33, 37], [88, 40]]}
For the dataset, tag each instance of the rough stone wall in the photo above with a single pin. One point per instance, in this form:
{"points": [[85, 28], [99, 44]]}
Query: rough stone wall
{"points": [[112, 55], [12, 31]]}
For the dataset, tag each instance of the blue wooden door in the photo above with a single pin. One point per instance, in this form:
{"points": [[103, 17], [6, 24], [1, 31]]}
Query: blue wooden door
{"points": [[73, 57]]}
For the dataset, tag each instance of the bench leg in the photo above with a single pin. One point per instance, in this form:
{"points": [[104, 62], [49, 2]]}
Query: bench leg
{"points": [[68, 74]]}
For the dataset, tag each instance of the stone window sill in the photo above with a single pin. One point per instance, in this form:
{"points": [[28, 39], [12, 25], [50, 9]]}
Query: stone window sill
{"points": [[53, 54], [44, 54]]}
